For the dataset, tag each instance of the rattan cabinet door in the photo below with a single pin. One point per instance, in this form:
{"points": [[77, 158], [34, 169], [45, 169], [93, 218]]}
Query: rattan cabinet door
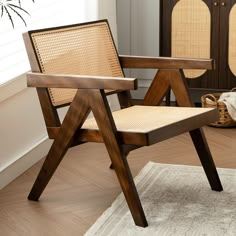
{"points": [[201, 29], [227, 65]]}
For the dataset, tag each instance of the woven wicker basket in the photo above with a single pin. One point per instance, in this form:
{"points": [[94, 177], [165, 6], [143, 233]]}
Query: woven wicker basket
{"points": [[211, 100]]}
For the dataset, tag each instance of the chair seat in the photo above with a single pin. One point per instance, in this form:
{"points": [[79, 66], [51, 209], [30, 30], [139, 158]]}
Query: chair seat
{"points": [[158, 123]]}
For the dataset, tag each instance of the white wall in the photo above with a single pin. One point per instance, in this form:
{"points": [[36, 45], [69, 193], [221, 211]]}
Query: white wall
{"points": [[138, 34], [23, 138]]}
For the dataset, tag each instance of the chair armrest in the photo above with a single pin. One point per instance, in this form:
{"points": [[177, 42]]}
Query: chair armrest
{"points": [[165, 62], [80, 81]]}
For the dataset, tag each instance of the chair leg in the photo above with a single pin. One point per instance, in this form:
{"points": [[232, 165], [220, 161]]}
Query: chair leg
{"points": [[206, 159], [50, 165], [75, 117], [117, 155], [128, 187]]}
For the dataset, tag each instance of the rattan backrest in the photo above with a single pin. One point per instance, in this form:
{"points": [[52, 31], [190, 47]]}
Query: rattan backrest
{"points": [[85, 49]]}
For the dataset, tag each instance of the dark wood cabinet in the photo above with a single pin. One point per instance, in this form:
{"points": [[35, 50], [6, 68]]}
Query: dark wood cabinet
{"points": [[201, 28]]}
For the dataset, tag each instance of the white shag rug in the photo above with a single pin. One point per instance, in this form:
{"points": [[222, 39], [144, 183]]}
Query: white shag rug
{"points": [[177, 201]]}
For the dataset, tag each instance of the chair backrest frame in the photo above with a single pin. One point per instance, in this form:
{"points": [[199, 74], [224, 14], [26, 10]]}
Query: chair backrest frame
{"points": [[49, 107]]}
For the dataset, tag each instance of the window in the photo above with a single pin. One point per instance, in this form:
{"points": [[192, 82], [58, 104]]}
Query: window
{"points": [[43, 13]]}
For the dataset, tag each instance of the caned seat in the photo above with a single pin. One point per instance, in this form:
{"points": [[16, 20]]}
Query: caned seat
{"points": [[78, 66], [144, 121]]}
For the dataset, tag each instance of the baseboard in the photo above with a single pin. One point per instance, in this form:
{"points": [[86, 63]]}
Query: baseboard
{"points": [[24, 162]]}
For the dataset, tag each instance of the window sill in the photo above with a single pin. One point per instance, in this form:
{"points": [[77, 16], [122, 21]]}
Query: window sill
{"points": [[12, 87]]}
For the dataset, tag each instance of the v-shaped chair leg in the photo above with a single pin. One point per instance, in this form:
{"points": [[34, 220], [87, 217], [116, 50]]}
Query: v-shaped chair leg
{"points": [[109, 133], [161, 84], [175, 80], [179, 87], [206, 159], [74, 119]]}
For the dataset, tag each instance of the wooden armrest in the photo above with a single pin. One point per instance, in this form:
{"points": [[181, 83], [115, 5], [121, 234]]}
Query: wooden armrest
{"points": [[80, 81], [165, 62]]}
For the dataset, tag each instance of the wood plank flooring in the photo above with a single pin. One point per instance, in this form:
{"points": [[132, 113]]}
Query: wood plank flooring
{"points": [[84, 186]]}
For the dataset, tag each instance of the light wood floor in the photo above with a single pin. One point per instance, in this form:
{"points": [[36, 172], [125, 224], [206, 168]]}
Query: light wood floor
{"points": [[83, 186]]}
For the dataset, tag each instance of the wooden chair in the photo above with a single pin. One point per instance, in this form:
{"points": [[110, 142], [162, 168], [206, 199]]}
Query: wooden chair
{"points": [[78, 65]]}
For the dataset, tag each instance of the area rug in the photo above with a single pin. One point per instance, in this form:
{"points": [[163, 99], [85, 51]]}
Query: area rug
{"points": [[177, 200]]}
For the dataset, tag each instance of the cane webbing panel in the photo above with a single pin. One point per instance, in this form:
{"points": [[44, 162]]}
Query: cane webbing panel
{"points": [[134, 119], [191, 32], [232, 40], [85, 49]]}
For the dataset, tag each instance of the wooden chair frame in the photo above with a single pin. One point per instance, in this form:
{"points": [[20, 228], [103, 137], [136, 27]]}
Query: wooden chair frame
{"points": [[118, 143]]}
